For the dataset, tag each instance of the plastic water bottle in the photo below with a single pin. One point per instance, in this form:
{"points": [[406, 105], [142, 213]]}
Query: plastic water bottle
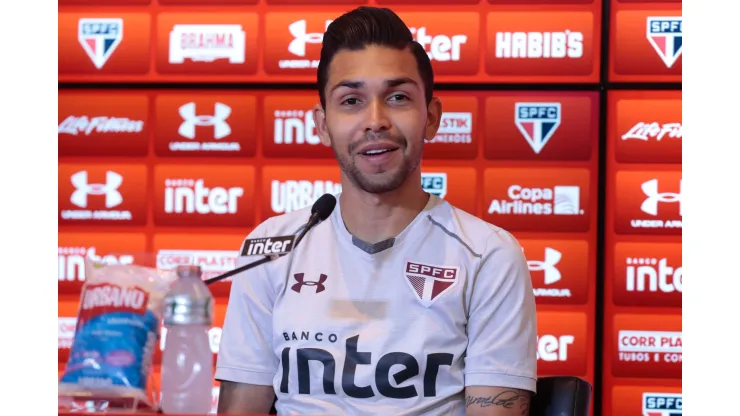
{"points": [[187, 360]]}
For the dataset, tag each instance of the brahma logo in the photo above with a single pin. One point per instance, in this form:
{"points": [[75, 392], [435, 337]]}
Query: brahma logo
{"points": [[93, 194], [539, 45], [648, 274], [522, 199], [203, 195], [292, 195], [561, 343], [454, 128], [662, 404], [207, 43]]}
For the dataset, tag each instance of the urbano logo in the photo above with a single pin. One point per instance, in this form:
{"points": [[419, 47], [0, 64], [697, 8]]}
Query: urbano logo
{"points": [[542, 200], [203, 195], [291, 188], [648, 274]]}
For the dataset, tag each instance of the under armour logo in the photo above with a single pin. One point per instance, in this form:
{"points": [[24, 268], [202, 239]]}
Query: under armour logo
{"points": [[650, 205], [319, 285], [298, 45], [109, 189], [221, 128], [552, 257]]}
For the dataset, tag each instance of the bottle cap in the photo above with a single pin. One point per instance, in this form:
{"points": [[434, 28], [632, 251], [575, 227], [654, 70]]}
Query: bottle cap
{"points": [[189, 308]]}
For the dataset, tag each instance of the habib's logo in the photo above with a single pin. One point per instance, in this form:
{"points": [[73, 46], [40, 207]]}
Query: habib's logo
{"points": [[355, 358], [102, 298]]}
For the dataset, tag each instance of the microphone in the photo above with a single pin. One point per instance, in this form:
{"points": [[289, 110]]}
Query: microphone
{"points": [[320, 211]]}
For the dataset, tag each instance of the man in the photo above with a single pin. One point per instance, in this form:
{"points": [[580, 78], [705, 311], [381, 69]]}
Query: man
{"points": [[398, 303]]}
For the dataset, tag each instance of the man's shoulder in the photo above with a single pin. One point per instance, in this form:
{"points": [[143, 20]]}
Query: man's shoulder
{"points": [[290, 223], [481, 237]]}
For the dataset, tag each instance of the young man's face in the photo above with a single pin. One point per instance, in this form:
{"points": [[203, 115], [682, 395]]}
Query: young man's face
{"points": [[376, 116]]}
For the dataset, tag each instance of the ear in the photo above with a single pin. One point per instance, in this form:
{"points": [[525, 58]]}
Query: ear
{"points": [[319, 119], [434, 117]]}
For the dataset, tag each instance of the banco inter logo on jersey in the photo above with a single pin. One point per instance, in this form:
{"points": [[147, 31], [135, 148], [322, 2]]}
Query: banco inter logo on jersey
{"points": [[100, 38], [665, 34], [537, 122], [662, 404], [434, 183]]}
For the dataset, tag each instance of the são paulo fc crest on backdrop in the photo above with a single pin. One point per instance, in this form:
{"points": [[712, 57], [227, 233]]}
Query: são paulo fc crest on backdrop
{"points": [[100, 38], [662, 404], [665, 34], [537, 122], [429, 282]]}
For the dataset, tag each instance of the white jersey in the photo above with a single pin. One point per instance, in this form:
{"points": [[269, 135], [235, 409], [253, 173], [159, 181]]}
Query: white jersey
{"points": [[401, 327]]}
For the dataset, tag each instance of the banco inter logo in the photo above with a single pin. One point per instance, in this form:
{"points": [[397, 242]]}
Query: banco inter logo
{"points": [[268, 246]]}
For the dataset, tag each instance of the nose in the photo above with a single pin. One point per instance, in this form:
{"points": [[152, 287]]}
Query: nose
{"points": [[377, 117]]}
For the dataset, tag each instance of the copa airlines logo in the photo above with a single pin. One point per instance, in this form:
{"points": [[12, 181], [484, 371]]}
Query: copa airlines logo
{"points": [[207, 43], [212, 262], [455, 128], [192, 196], [650, 346], [539, 45], [71, 261], [558, 200], [648, 131], [646, 274], [292, 195], [295, 126], [439, 47], [84, 125], [662, 404]]}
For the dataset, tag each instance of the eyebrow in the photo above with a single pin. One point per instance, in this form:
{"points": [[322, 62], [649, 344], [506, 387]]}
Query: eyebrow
{"points": [[390, 83]]}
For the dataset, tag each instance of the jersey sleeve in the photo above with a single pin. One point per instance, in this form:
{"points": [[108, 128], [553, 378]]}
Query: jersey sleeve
{"points": [[502, 322], [245, 352]]}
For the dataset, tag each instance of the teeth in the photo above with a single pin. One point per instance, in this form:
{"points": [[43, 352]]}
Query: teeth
{"points": [[376, 152]]}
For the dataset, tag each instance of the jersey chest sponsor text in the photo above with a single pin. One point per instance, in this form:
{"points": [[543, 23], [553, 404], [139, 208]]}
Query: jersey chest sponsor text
{"points": [[411, 378]]}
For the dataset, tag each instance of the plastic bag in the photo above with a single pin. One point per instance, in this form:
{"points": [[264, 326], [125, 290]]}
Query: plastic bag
{"points": [[117, 330]]}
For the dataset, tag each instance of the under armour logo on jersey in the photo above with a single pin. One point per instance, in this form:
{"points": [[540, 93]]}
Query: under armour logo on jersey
{"points": [[650, 205], [300, 38], [301, 282], [221, 128], [537, 122], [109, 189], [552, 257]]}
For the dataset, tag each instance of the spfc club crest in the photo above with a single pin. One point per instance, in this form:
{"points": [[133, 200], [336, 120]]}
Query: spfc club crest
{"points": [[100, 38], [434, 183], [666, 36], [537, 122], [662, 404], [430, 282]]}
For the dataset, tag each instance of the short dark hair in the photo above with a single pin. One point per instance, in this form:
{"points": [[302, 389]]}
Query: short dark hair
{"points": [[365, 26]]}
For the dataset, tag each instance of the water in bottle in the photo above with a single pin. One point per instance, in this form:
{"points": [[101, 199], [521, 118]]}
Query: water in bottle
{"points": [[187, 360]]}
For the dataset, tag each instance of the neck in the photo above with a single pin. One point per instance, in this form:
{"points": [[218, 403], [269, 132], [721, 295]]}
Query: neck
{"points": [[377, 217]]}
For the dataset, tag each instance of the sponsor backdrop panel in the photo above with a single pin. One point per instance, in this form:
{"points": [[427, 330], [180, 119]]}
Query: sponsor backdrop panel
{"points": [[171, 176], [643, 278], [279, 40]]}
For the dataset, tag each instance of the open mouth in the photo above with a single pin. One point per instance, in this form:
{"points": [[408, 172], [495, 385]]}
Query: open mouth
{"points": [[378, 152]]}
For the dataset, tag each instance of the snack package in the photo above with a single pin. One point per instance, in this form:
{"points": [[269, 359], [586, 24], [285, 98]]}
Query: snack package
{"points": [[117, 331]]}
